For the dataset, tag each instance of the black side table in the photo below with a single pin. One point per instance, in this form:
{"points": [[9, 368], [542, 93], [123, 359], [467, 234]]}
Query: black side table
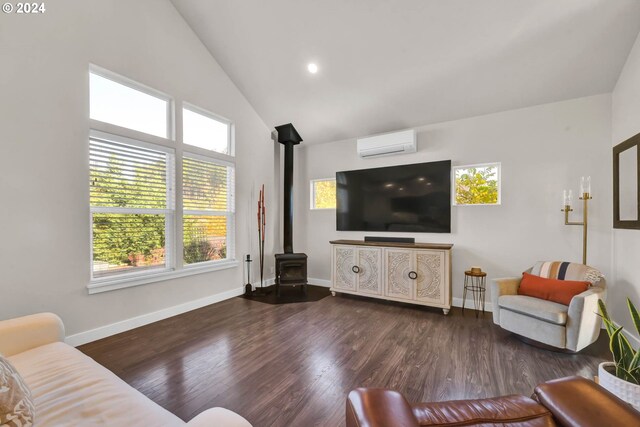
{"points": [[477, 284]]}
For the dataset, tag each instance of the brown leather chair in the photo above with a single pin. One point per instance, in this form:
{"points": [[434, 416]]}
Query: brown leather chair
{"points": [[567, 402]]}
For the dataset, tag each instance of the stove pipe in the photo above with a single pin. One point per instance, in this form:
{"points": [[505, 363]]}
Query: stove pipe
{"points": [[288, 136]]}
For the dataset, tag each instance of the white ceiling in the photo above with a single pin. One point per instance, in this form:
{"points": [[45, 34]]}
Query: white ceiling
{"points": [[387, 65]]}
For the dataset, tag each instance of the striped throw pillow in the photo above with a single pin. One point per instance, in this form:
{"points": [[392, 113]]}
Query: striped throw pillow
{"points": [[566, 271]]}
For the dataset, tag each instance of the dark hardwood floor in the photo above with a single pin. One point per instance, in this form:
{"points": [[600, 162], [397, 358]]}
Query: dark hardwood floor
{"points": [[293, 364]]}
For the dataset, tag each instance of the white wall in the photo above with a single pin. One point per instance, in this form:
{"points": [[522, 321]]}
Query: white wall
{"points": [[543, 150], [626, 243], [44, 254]]}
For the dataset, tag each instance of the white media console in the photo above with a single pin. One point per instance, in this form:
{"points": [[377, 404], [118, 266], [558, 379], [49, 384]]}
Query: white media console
{"points": [[416, 273]]}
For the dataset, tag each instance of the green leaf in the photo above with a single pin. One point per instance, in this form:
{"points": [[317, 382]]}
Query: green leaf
{"points": [[635, 363], [627, 351], [634, 315], [605, 317], [623, 353], [610, 326], [625, 375], [603, 309], [616, 348]]}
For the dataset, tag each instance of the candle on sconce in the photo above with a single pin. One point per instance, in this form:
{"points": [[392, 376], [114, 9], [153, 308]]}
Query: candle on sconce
{"points": [[567, 198], [585, 185]]}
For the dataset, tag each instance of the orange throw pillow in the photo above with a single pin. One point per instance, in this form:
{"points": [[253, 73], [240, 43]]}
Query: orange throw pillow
{"points": [[560, 291]]}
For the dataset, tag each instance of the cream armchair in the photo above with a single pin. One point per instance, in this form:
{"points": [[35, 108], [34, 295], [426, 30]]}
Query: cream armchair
{"points": [[570, 327]]}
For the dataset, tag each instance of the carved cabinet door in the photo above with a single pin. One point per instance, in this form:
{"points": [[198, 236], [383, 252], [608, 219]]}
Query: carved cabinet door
{"points": [[399, 265], [370, 271], [431, 280], [344, 260]]}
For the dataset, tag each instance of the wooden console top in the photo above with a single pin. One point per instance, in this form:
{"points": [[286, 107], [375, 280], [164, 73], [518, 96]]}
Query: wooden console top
{"points": [[444, 246]]}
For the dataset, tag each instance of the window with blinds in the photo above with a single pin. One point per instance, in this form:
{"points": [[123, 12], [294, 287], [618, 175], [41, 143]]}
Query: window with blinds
{"points": [[208, 209], [132, 205], [138, 230]]}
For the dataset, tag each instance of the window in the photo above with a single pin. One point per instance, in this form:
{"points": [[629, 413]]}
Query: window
{"points": [[204, 130], [208, 209], [122, 105], [477, 184], [131, 195], [323, 193], [133, 187]]}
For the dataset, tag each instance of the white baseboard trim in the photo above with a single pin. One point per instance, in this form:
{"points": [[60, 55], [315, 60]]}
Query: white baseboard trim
{"points": [[144, 319], [457, 302], [319, 282]]}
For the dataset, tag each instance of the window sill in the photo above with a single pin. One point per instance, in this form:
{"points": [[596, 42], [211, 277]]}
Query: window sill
{"points": [[111, 284]]}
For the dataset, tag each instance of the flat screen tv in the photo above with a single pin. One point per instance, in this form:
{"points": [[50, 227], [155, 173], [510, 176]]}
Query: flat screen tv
{"points": [[405, 198]]}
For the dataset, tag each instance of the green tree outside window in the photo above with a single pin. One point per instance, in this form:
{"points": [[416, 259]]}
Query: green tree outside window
{"points": [[477, 185], [324, 194], [127, 240]]}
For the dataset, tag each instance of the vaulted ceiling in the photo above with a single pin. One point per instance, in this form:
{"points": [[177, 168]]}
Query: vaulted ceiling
{"points": [[387, 65]]}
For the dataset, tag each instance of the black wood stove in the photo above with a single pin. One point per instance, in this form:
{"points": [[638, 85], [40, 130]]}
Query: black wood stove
{"points": [[291, 268]]}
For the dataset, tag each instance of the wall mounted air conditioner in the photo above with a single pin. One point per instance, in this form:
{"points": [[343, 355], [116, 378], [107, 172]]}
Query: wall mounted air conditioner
{"points": [[387, 144]]}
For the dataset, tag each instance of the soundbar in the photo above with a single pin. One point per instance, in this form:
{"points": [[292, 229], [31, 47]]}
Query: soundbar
{"points": [[389, 239]]}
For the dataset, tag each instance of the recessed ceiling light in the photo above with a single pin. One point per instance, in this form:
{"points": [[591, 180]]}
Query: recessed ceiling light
{"points": [[313, 68]]}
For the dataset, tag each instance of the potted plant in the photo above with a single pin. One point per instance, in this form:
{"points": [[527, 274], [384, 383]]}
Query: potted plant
{"points": [[622, 376]]}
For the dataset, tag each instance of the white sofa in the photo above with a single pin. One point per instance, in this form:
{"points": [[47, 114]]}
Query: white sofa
{"points": [[71, 389]]}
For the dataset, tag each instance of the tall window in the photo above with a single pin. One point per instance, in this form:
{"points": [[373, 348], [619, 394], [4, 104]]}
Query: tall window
{"points": [[208, 184], [133, 187], [132, 209], [477, 184], [208, 209]]}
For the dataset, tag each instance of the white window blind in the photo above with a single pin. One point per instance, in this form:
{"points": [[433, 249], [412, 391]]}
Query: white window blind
{"points": [[208, 187], [132, 206]]}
